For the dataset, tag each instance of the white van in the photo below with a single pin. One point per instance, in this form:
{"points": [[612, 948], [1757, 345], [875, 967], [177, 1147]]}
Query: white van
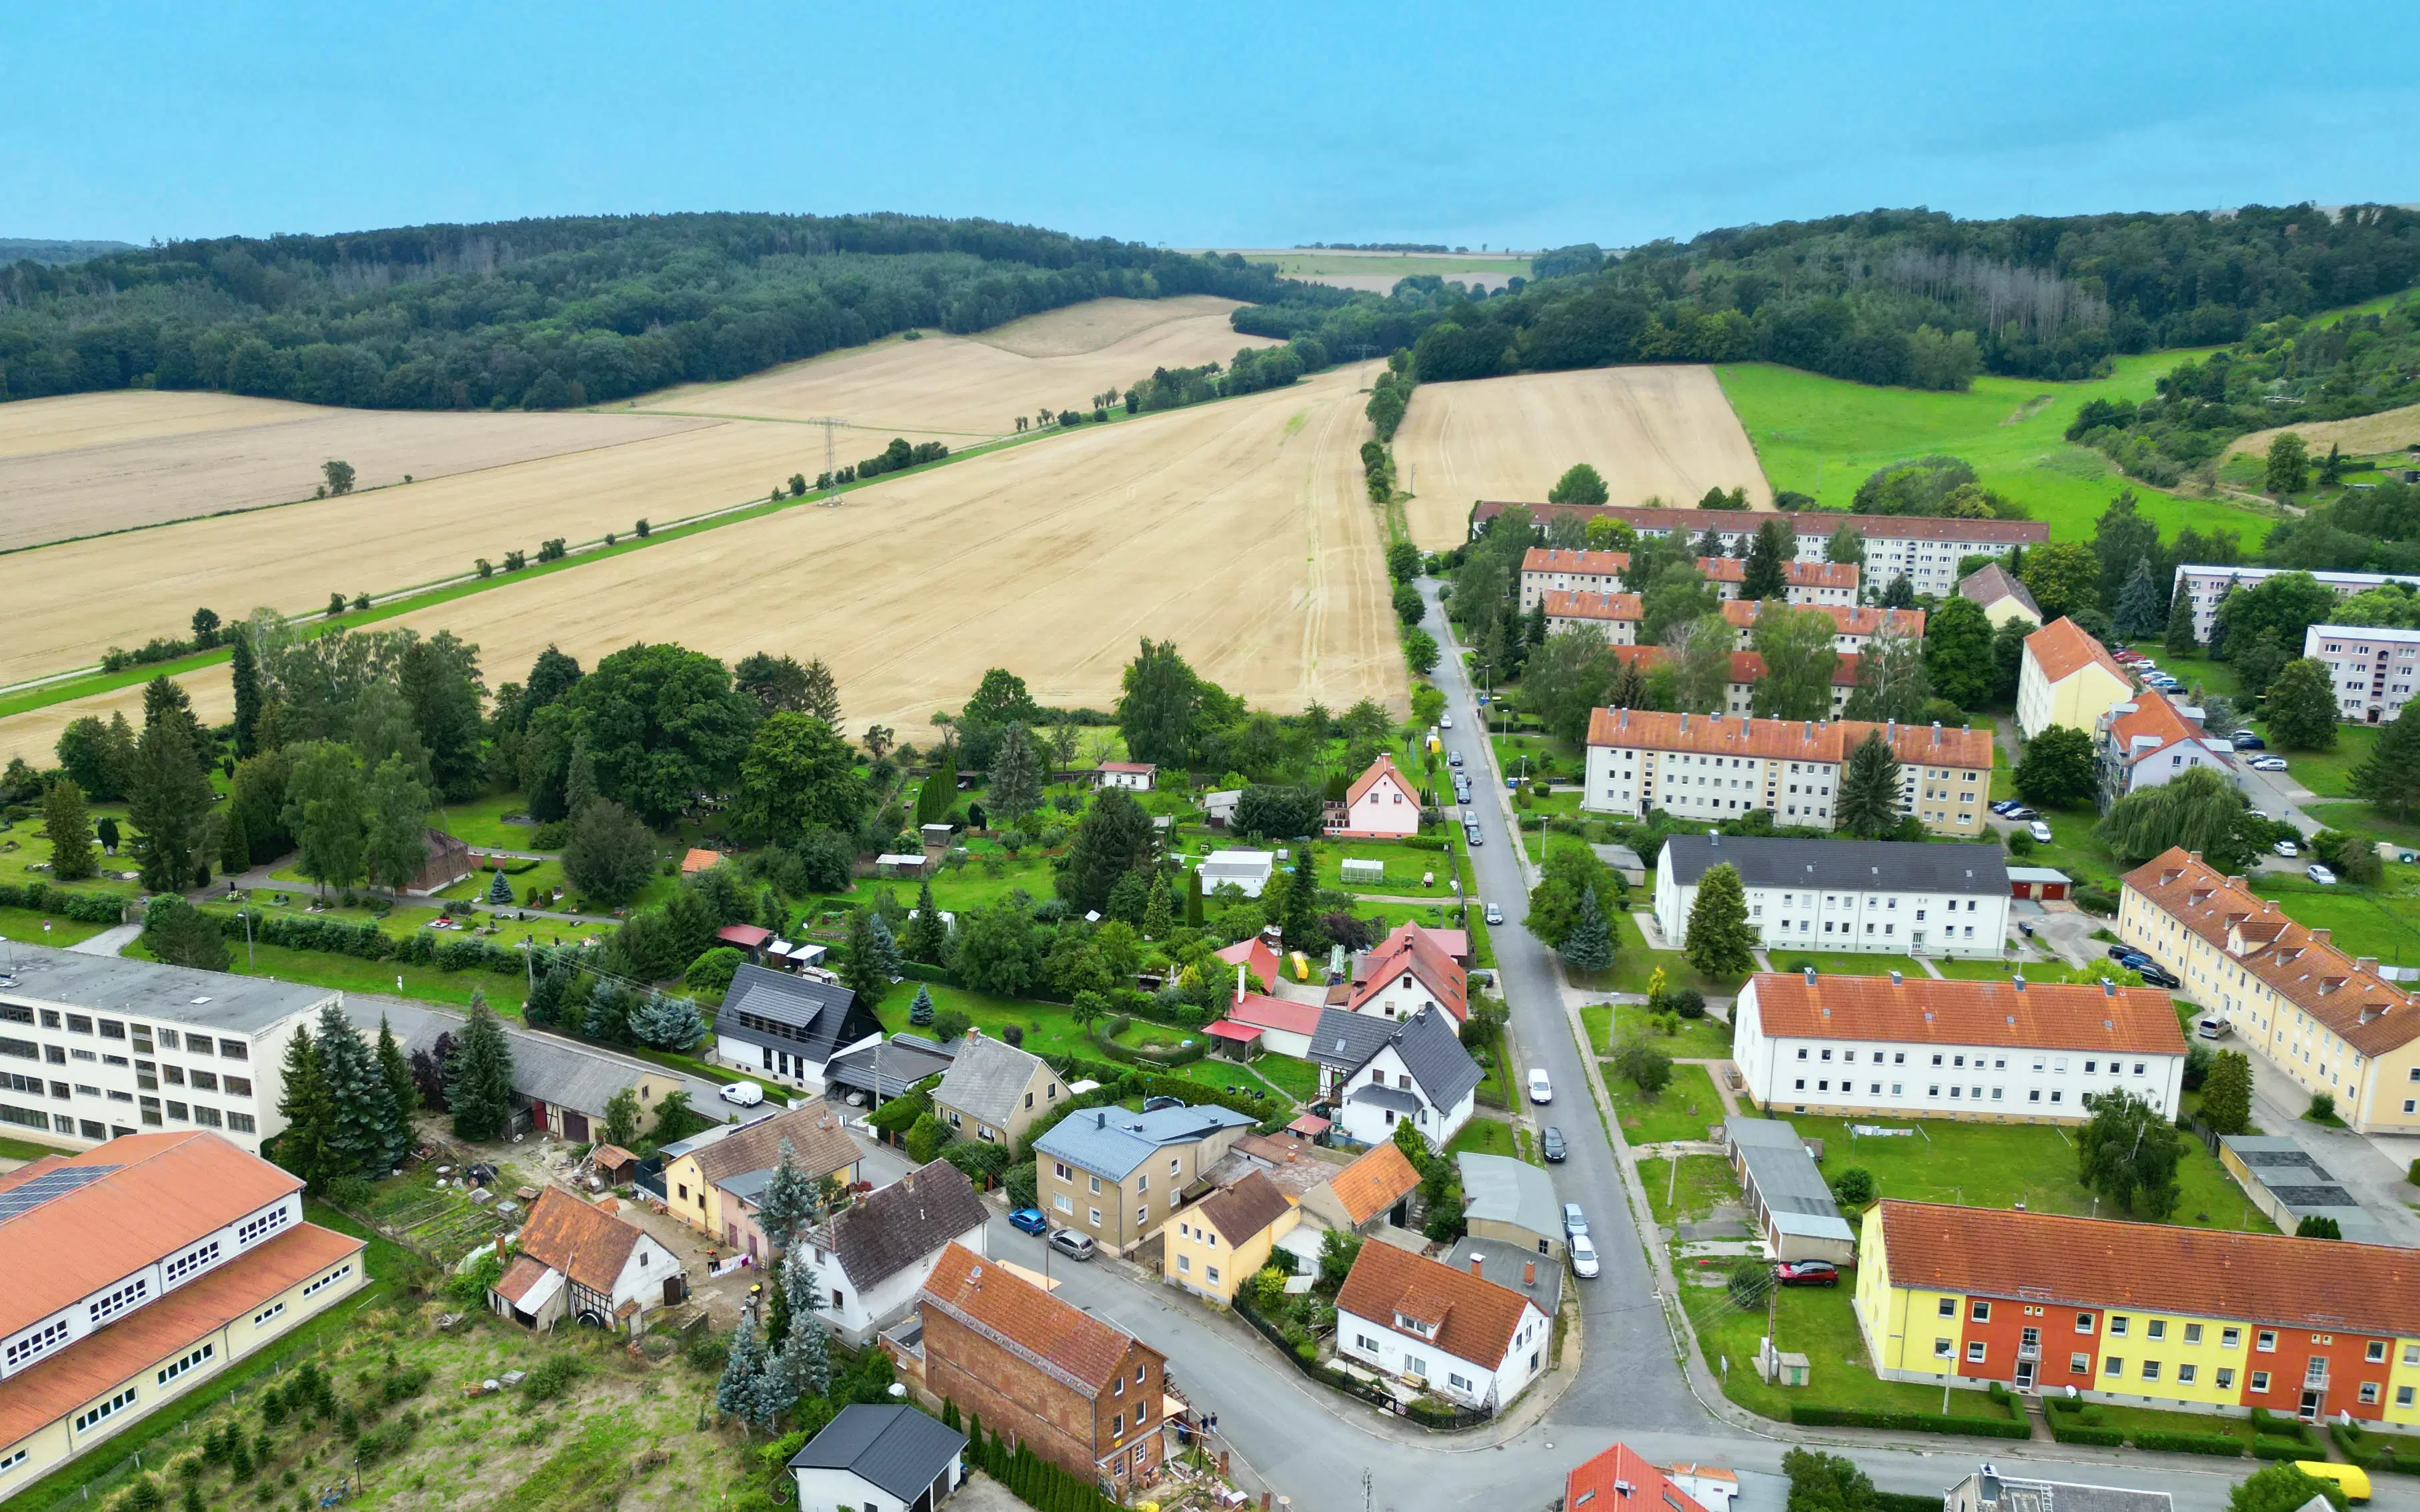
{"points": [[743, 1094]]}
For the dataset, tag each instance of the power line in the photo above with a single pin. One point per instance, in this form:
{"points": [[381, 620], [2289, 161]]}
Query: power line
{"points": [[833, 426]]}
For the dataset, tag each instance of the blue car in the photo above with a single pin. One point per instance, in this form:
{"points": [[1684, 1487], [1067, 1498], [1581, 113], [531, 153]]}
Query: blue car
{"points": [[1030, 1220]]}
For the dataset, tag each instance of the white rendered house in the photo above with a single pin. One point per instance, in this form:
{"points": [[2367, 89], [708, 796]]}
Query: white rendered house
{"points": [[1452, 1331], [1883, 896], [875, 1256]]}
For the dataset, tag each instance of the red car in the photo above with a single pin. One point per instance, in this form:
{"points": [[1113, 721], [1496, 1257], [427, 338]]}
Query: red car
{"points": [[1807, 1274]]}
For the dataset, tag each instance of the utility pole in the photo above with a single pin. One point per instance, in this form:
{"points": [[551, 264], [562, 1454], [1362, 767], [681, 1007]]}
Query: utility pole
{"points": [[833, 426]]}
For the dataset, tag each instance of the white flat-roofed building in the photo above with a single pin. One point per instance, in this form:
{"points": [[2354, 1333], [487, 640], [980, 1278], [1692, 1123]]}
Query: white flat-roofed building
{"points": [[1885, 896], [2205, 586], [2012, 1052], [96, 1047], [2372, 669]]}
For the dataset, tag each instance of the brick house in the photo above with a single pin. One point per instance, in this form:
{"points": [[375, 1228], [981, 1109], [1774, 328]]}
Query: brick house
{"points": [[1079, 1391]]}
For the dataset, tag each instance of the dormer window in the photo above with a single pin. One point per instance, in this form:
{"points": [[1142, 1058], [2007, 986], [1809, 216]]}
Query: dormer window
{"points": [[1414, 1325]]}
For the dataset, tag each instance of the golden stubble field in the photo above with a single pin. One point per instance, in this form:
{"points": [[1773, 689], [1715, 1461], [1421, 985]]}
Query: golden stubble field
{"points": [[1239, 529], [2362, 436], [1665, 431]]}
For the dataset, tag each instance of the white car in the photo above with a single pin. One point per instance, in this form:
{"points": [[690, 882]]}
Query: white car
{"points": [[2039, 831], [2267, 763], [2320, 874], [1444, 722], [1495, 915], [2287, 848], [1583, 1255], [743, 1094], [1540, 1089]]}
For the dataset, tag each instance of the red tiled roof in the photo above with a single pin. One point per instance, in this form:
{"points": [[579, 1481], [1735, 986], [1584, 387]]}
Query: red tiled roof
{"points": [[2339, 990], [1590, 1487], [1229, 1029], [583, 1243], [2046, 1015], [1567, 604], [1474, 1319], [1802, 574], [2154, 716], [1409, 949], [1374, 1183], [160, 1331], [1851, 619], [1381, 768], [746, 936], [1004, 1307], [2062, 649], [1256, 956], [2102, 1262], [1262, 1011], [1785, 739], [164, 1191], [1555, 559], [515, 1284], [699, 860], [1129, 766]]}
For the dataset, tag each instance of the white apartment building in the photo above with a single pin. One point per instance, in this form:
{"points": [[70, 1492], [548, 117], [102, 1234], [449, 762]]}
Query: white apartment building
{"points": [[95, 1047], [2013, 1052], [2204, 586], [1618, 616], [2372, 669], [1924, 548], [1882, 896], [1711, 767], [1550, 569], [1857, 625]]}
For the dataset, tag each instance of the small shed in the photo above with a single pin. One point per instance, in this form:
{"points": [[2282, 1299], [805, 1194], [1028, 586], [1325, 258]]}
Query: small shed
{"points": [[898, 864], [1359, 869], [935, 834], [698, 860], [617, 1166], [1236, 1041], [883, 1457], [752, 939], [2038, 882], [1218, 809], [1625, 863], [1139, 777], [449, 861]]}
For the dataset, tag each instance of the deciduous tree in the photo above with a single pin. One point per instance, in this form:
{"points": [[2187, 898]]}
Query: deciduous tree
{"points": [[2064, 577], [2057, 768], [663, 724], [2302, 706], [798, 774], [1579, 484], [609, 856], [324, 811], [1799, 662], [2226, 1092], [2290, 465], [396, 839], [1893, 679], [2128, 1153]]}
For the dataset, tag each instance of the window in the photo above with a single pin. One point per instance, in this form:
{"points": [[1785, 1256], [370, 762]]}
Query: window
{"points": [[1974, 1352], [1095, 1185], [13, 1460], [2376, 1354], [48, 1336], [2259, 1383], [1941, 1349], [2369, 1392], [240, 1123], [2402, 1396], [2226, 1378], [2079, 1365], [330, 1279], [1185, 1265], [1211, 1271], [110, 1408], [267, 1313], [178, 1368], [2113, 1366], [2117, 1325], [1980, 1312], [1947, 1308], [2265, 1341], [262, 1225], [2150, 1370], [103, 1308], [2156, 1327], [2083, 1322], [2193, 1333], [1062, 1203], [1097, 1217], [193, 1260]]}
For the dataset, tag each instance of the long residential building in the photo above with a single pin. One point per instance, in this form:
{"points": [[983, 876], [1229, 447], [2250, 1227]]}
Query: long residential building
{"points": [[2009, 1052], [1886, 896], [1618, 616], [1546, 568], [2067, 678], [1924, 548], [2327, 1020], [2372, 669], [1711, 767], [139, 1271], [97, 1047], [1855, 627], [2205, 586], [1748, 670], [2130, 1313]]}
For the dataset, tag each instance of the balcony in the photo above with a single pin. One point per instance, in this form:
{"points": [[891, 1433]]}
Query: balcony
{"points": [[2028, 1352], [2315, 1377]]}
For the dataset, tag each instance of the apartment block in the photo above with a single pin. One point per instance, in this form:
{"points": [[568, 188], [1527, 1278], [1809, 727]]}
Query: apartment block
{"points": [[1924, 548], [2205, 586], [1547, 569], [2372, 669], [94, 1048], [2067, 678], [1856, 626], [1712, 767], [1885, 896]]}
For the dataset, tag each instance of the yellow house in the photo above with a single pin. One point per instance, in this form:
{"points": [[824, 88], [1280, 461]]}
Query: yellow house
{"points": [[2327, 1020], [712, 1181], [1213, 1245], [2139, 1314], [2001, 596], [2067, 678]]}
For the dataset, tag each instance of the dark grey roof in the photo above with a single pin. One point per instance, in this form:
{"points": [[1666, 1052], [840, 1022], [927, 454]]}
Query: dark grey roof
{"points": [[889, 1230], [825, 1014], [38, 975], [1431, 1050], [1507, 1265], [987, 1079], [1907, 866], [563, 1072], [1783, 1178], [907, 1060], [898, 1448], [1385, 1097], [1111, 1142]]}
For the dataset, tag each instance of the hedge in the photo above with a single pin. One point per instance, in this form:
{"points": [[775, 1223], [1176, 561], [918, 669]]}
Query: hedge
{"points": [[84, 907], [2281, 1449], [1848, 1417], [2109, 1438], [366, 942], [2354, 1441], [1902, 1501], [2223, 1444]]}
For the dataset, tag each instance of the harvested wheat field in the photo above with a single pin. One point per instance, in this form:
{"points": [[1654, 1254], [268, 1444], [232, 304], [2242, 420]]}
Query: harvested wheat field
{"points": [[75, 420], [88, 487], [2389, 430], [975, 386], [1662, 431], [1239, 530], [36, 736]]}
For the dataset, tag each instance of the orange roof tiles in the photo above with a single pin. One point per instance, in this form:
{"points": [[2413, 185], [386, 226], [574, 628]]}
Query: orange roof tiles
{"points": [[1748, 666], [1590, 1487], [1475, 1319], [699, 860], [160, 1331], [1884, 527], [1802, 574], [1566, 604], [1716, 735], [1374, 1183], [2062, 649], [2350, 998], [2155, 716], [1262, 1011], [583, 1243], [1410, 949], [1555, 559], [1382, 769], [1919, 1011], [514, 1283], [1740, 613], [2090, 1262], [166, 1191], [997, 1303], [1256, 956]]}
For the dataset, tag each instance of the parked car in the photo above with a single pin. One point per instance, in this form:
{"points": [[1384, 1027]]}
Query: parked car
{"points": [[2039, 831], [2258, 814], [2160, 977], [1495, 915], [2288, 849], [1807, 1274], [743, 1094], [1454, 758], [2267, 763], [1584, 1261], [1550, 1140], [1071, 1245], [2021, 813], [2210, 1028], [2005, 807], [1574, 1220], [1029, 1221], [2125, 955], [1473, 838], [1540, 1089], [2320, 874], [2246, 740], [1444, 722]]}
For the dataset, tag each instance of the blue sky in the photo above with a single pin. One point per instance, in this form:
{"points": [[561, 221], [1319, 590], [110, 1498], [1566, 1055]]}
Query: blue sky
{"points": [[1231, 125]]}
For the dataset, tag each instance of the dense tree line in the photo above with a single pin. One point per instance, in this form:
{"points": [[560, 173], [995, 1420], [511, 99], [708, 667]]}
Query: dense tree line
{"points": [[1897, 297], [545, 313]]}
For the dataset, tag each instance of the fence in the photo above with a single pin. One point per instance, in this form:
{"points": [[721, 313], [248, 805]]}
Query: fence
{"points": [[1428, 1415]]}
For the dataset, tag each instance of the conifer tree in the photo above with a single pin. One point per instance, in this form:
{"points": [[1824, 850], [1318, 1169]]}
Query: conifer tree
{"points": [[1301, 912], [925, 935], [65, 820], [176, 933], [479, 1078], [397, 1072], [1193, 898], [680, 1025], [169, 801], [787, 1201], [1159, 911], [1866, 805], [306, 1146], [1721, 941], [806, 1352], [364, 1128], [919, 1013], [2226, 1092], [748, 1390], [1589, 945], [1015, 776], [580, 782], [2137, 612], [2391, 776], [2181, 625], [245, 673]]}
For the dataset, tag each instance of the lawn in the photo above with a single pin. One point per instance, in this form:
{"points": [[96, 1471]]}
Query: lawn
{"points": [[44, 929], [1988, 970], [345, 973], [1049, 1029], [1634, 966], [2000, 1164], [480, 822], [1822, 436], [2327, 773], [1683, 1110], [1701, 1039], [1704, 1182], [1404, 867], [1851, 964], [544, 878], [2368, 818], [1484, 1136], [2380, 922]]}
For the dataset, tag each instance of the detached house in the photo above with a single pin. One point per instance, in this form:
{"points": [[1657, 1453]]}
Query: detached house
{"points": [[1116, 1176], [1209, 1248], [1135, 777], [2151, 740], [712, 1181], [1452, 1332], [580, 1263], [873, 1256], [1381, 1073], [1999, 595], [1409, 971], [1382, 804], [1367, 1195], [785, 1029], [994, 1092]]}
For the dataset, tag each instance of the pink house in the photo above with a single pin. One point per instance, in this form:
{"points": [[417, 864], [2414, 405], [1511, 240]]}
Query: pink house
{"points": [[1381, 805]]}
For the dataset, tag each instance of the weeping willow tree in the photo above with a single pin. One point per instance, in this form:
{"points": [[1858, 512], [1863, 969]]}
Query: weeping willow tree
{"points": [[2199, 810]]}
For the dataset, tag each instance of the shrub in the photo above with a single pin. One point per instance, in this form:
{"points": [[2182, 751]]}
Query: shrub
{"points": [[550, 1377], [2225, 1446], [1982, 1428], [2324, 1107], [2079, 1433]]}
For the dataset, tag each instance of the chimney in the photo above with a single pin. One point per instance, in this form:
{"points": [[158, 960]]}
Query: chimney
{"points": [[1897, 980], [1475, 1265], [2108, 988], [1715, 839], [2235, 882], [2019, 981], [1810, 976], [2322, 935], [1101, 1119], [2193, 856], [1529, 1274], [2367, 963], [1684, 721], [973, 1034], [2268, 906], [1239, 984]]}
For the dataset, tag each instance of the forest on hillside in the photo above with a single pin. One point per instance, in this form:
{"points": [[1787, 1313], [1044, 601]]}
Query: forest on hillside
{"points": [[1912, 297], [553, 313]]}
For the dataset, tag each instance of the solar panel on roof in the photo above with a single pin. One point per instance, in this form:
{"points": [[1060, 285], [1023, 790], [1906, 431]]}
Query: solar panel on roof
{"points": [[26, 1197]]}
